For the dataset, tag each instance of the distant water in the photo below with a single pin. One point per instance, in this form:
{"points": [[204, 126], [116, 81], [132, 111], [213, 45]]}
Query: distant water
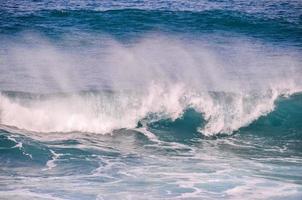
{"points": [[151, 99]]}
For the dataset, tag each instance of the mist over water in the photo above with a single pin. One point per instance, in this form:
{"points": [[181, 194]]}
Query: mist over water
{"points": [[180, 100]]}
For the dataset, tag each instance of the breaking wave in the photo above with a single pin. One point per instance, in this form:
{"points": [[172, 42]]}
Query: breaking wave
{"points": [[137, 84], [104, 112]]}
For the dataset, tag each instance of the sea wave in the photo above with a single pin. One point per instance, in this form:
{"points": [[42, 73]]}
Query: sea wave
{"points": [[104, 112], [126, 85]]}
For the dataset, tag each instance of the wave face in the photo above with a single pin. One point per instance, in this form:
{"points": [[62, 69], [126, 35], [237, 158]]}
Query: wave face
{"points": [[150, 99]]}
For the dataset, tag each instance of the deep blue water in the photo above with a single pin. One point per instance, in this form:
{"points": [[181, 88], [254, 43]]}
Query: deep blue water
{"points": [[151, 99]]}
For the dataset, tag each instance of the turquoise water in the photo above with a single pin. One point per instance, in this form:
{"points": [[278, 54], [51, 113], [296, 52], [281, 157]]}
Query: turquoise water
{"points": [[150, 100]]}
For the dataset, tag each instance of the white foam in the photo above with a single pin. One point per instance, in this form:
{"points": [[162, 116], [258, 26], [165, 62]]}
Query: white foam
{"points": [[51, 163], [26, 194], [148, 134], [19, 145], [251, 190]]}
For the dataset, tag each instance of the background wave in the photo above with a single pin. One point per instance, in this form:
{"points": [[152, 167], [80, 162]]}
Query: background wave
{"points": [[132, 23]]}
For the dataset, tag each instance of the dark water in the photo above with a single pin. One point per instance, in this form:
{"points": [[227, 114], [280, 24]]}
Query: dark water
{"points": [[150, 100]]}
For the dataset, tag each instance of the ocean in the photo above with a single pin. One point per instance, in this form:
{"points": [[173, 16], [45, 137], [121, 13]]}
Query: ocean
{"points": [[151, 99]]}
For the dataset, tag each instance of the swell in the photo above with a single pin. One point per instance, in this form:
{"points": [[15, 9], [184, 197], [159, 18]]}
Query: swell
{"points": [[130, 22]]}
